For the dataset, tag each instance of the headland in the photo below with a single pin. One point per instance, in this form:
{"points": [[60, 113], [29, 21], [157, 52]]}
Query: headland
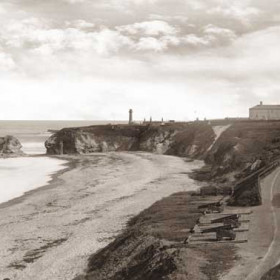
{"points": [[153, 246]]}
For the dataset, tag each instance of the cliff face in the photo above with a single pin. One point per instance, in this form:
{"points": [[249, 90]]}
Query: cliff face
{"points": [[241, 146], [93, 139], [9, 146], [190, 140]]}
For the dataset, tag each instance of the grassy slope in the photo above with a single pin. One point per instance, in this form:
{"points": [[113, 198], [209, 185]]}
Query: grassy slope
{"points": [[152, 247], [245, 142], [233, 155]]}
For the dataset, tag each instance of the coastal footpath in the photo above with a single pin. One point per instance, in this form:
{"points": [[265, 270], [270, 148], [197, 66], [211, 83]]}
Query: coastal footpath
{"points": [[231, 151]]}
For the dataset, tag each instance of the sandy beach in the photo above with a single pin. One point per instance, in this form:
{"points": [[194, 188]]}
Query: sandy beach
{"points": [[50, 232]]}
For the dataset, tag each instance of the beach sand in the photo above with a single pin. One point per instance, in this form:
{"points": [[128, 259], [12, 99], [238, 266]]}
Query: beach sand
{"points": [[50, 232]]}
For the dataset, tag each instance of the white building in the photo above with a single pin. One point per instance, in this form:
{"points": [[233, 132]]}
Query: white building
{"points": [[265, 112]]}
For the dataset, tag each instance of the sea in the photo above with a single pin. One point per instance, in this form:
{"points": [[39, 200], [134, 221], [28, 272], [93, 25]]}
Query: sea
{"points": [[19, 175], [33, 134]]}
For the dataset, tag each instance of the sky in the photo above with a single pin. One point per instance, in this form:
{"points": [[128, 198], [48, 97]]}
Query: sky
{"points": [[171, 59]]}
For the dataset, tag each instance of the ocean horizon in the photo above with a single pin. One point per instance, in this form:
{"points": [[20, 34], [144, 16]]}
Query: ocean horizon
{"points": [[32, 134], [22, 174]]}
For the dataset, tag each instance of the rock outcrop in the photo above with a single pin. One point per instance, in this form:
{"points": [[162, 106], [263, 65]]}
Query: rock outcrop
{"points": [[186, 140], [191, 140], [10, 146], [93, 139]]}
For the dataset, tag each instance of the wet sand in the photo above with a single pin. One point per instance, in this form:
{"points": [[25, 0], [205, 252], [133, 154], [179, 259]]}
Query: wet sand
{"points": [[50, 232]]}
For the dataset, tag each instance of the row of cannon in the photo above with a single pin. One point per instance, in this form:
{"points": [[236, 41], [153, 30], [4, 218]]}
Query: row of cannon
{"points": [[229, 222]]}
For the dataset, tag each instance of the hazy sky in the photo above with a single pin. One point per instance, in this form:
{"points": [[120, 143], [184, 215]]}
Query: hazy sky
{"points": [[176, 59]]}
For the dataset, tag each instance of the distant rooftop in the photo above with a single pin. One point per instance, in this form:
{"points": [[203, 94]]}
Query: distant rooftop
{"points": [[266, 107]]}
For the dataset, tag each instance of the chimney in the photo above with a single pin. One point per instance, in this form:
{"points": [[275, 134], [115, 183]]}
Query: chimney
{"points": [[261, 103]]}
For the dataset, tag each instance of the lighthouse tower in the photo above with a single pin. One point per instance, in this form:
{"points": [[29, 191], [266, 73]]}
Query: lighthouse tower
{"points": [[130, 116]]}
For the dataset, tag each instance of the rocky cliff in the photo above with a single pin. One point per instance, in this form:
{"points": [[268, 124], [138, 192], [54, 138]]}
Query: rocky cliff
{"points": [[190, 140], [186, 140], [231, 151], [94, 139], [246, 145], [10, 146]]}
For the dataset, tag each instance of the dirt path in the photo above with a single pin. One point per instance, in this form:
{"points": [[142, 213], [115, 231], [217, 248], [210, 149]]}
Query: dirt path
{"points": [[51, 232], [261, 252]]}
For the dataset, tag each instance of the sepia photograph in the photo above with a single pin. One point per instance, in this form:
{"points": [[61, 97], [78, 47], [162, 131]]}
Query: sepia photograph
{"points": [[140, 140]]}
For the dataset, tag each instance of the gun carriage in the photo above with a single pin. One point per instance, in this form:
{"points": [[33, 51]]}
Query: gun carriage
{"points": [[232, 220], [212, 207], [225, 231]]}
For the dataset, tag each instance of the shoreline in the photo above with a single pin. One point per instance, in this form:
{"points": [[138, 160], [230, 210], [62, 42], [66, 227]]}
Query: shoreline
{"points": [[210, 264], [54, 196], [68, 166]]}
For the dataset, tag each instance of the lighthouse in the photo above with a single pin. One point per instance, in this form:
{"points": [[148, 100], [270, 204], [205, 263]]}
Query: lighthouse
{"points": [[130, 116]]}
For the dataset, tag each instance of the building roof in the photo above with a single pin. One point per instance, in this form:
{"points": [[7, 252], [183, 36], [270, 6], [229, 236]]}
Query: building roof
{"points": [[266, 107]]}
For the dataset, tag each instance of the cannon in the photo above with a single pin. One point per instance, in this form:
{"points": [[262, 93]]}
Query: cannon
{"points": [[212, 207], [228, 220], [225, 231]]}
